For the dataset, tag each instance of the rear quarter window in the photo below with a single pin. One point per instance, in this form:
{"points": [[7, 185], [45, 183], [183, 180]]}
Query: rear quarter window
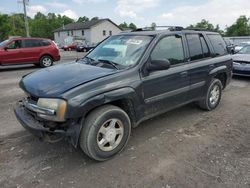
{"points": [[45, 43], [218, 44]]}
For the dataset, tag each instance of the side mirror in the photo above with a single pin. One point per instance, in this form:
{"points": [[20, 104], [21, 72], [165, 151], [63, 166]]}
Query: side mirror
{"points": [[5, 48], [161, 64]]}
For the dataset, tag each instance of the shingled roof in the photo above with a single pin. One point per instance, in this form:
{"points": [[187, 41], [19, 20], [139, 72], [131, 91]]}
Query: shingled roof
{"points": [[83, 25]]}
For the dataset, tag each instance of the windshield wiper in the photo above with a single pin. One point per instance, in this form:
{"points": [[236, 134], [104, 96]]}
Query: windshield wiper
{"points": [[90, 60], [109, 62]]}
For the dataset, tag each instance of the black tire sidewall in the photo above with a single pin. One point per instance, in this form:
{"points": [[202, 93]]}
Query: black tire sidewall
{"points": [[213, 83], [92, 146]]}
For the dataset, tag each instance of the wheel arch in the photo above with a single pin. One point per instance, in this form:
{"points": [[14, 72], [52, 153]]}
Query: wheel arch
{"points": [[220, 73], [124, 98], [46, 55]]}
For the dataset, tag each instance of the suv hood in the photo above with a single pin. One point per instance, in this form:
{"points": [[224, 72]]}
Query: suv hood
{"points": [[55, 80], [241, 57]]}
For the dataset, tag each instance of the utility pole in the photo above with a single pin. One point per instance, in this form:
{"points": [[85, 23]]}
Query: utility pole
{"points": [[25, 18]]}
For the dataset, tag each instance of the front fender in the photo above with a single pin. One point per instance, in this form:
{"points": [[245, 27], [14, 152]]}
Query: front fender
{"points": [[92, 102]]}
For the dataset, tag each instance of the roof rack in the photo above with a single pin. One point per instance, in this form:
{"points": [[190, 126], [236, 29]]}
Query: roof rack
{"points": [[198, 29], [170, 28]]}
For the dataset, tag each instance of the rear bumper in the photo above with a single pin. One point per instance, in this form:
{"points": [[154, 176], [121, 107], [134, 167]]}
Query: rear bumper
{"points": [[38, 129], [57, 58]]}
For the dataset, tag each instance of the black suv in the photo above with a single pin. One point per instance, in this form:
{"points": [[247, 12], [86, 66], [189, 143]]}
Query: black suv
{"points": [[125, 80]]}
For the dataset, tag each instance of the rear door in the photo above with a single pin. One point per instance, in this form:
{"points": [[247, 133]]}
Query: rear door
{"points": [[32, 50], [200, 62], [12, 53], [166, 89]]}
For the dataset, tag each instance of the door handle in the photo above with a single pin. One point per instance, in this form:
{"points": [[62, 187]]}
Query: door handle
{"points": [[184, 74]]}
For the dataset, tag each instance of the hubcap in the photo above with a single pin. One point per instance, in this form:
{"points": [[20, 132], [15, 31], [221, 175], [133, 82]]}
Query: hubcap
{"points": [[110, 134], [46, 62], [214, 95]]}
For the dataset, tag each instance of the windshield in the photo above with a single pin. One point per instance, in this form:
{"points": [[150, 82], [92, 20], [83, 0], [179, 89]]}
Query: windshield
{"points": [[4, 42], [245, 50], [124, 50]]}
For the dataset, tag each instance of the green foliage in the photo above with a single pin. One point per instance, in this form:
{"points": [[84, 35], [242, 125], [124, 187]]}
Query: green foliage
{"points": [[83, 19], [43, 26], [204, 24], [126, 26], [240, 28], [95, 18], [40, 26]]}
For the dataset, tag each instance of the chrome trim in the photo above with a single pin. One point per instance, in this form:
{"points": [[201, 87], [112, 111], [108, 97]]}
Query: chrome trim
{"points": [[38, 109]]}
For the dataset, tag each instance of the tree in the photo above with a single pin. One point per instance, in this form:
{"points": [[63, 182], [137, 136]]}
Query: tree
{"points": [[132, 26], [83, 19], [240, 28], [95, 18], [43, 26], [204, 24], [126, 26], [5, 26], [153, 26]]}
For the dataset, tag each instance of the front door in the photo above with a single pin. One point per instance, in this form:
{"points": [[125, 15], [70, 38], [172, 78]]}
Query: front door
{"points": [[166, 89], [12, 53]]}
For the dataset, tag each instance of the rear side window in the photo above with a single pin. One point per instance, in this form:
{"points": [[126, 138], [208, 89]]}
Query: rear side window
{"points": [[197, 46], [194, 46], [31, 43], [44, 42], [170, 48], [218, 44], [205, 49]]}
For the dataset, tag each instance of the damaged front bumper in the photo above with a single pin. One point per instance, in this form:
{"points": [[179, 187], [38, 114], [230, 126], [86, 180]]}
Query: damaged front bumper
{"points": [[70, 130]]}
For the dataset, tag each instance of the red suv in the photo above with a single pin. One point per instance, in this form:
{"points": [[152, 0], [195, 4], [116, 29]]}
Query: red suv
{"points": [[39, 51]]}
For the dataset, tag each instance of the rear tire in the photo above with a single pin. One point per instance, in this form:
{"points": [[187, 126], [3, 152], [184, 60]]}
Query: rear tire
{"points": [[46, 61], [213, 96], [105, 132]]}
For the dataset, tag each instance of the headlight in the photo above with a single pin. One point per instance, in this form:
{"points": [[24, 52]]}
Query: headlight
{"points": [[58, 105]]}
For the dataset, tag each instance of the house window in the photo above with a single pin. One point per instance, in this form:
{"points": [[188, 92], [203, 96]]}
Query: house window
{"points": [[68, 33], [58, 34], [104, 32], [82, 32], [72, 33], [110, 33]]}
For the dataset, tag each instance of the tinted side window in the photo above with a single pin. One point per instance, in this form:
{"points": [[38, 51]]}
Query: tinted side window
{"points": [[170, 48], [206, 52], [44, 42], [194, 45], [218, 44], [31, 43], [15, 44]]}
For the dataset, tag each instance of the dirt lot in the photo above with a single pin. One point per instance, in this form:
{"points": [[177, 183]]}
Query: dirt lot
{"points": [[186, 147]]}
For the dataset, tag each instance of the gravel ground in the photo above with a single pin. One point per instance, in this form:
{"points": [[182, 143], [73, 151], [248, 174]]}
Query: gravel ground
{"points": [[186, 147]]}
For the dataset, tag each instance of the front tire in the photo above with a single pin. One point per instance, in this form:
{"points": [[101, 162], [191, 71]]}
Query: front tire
{"points": [[105, 132], [213, 96], [46, 61]]}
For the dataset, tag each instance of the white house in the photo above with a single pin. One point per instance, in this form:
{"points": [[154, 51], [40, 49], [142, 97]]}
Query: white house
{"points": [[91, 32]]}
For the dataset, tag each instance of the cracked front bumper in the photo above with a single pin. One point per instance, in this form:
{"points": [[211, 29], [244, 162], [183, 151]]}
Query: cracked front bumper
{"points": [[38, 129]]}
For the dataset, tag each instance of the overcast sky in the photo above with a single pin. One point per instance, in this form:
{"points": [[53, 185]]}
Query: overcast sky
{"points": [[141, 12]]}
